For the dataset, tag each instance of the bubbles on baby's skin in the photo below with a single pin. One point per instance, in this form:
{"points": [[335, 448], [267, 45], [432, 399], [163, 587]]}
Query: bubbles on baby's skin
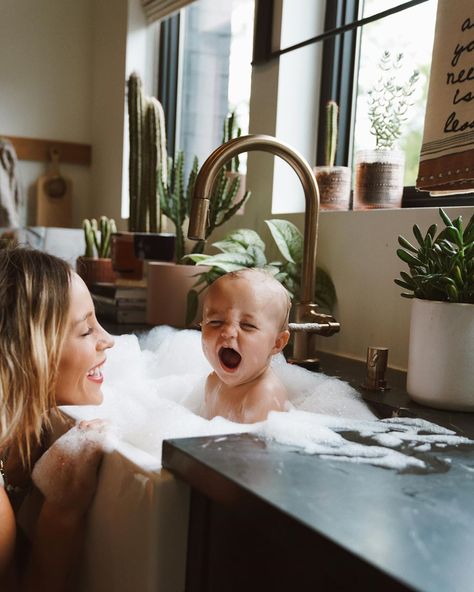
{"points": [[154, 390]]}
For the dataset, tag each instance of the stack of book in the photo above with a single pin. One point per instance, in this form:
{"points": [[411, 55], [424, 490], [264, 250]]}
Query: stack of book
{"points": [[120, 302]]}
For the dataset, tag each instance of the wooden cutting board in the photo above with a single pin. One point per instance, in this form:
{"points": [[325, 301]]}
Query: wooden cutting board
{"points": [[54, 197]]}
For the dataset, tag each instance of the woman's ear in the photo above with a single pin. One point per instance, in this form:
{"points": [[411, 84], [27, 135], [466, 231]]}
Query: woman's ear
{"points": [[281, 341]]}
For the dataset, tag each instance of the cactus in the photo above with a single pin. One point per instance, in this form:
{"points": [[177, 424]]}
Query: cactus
{"points": [[135, 124], [97, 236], [175, 200], [330, 140], [231, 130], [147, 155]]}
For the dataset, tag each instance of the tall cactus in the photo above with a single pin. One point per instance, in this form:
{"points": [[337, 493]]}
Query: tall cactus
{"points": [[330, 140], [231, 130], [155, 157], [147, 154], [135, 124]]}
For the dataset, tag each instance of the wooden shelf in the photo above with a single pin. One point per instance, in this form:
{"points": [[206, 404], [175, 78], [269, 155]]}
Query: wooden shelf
{"points": [[39, 150]]}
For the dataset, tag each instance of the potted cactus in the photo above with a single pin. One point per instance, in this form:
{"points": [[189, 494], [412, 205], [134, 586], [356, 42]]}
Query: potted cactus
{"points": [[380, 171], [147, 135], [96, 265], [168, 284], [334, 182], [441, 283]]}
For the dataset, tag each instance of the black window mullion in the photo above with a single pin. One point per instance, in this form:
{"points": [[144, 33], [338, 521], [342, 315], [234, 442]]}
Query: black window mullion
{"points": [[337, 76]]}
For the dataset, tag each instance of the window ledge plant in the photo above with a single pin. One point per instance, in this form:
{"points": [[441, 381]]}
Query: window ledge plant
{"points": [[379, 172], [334, 182], [441, 283]]}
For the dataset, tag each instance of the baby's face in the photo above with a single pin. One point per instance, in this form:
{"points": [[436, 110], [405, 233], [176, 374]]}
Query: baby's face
{"points": [[241, 329]]}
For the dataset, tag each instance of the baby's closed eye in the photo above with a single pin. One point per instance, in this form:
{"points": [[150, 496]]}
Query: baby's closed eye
{"points": [[214, 323], [248, 326]]}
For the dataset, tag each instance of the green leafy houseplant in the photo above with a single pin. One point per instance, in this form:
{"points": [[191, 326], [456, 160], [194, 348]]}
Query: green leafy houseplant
{"points": [[97, 236], [244, 248], [440, 267]]}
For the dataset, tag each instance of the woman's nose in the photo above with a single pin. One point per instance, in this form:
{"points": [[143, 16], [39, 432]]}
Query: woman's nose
{"points": [[105, 340]]}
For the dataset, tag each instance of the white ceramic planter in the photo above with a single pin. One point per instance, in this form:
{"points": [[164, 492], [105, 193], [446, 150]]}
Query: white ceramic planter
{"points": [[441, 355]]}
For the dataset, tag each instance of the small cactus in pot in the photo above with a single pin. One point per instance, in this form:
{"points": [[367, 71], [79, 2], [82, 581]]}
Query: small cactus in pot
{"points": [[96, 264], [334, 182]]}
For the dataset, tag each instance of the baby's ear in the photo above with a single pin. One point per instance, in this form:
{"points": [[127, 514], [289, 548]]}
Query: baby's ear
{"points": [[281, 341]]}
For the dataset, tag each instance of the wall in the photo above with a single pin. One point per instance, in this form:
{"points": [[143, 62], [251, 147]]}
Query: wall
{"points": [[62, 78]]}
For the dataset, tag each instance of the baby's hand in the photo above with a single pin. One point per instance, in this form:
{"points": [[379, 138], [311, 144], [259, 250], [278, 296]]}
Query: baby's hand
{"points": [[66, 474]]}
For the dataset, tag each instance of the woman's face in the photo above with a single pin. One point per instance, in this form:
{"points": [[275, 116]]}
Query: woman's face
{"points": [[83, 354]]}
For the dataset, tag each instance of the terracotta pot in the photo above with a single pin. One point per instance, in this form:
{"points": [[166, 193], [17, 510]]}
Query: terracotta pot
{"points": [[124, 261], [440, 363], [167, 292], [378, 179], [334, 185], [93, 270]]}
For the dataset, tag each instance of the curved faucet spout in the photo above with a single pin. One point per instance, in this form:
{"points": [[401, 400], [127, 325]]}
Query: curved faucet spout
{"points": [[214, 163], [306, 310]]}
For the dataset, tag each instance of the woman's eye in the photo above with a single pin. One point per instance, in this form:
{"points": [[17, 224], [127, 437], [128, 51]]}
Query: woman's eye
{"points": [[88, 332]]}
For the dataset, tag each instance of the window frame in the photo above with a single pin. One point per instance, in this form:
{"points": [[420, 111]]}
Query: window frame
{"points": [[340, 58]]}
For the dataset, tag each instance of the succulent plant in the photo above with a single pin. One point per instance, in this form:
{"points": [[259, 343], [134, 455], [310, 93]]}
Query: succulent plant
{"points": [[389, 101], [330, 139], [441, 267], [147, 154], [97, 236]]}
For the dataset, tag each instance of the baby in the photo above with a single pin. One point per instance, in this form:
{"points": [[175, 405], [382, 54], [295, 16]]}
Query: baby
{"points": [[245, 323]]}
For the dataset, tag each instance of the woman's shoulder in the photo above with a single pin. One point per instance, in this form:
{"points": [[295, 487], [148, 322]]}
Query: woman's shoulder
{"points": [[7, 532]]}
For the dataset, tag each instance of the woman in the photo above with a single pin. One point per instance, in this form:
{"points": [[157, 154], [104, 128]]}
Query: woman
{"points": [[52, 350]]}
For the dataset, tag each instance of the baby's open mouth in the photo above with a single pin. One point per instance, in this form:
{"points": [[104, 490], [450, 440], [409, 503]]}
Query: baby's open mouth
{"points": [[229, 357]]}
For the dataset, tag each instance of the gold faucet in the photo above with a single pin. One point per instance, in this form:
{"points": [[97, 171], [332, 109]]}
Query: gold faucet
{"points": [[309, 322]]}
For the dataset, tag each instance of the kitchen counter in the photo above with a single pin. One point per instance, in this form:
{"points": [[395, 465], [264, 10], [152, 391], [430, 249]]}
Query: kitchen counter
{"points": [[265, 516]]}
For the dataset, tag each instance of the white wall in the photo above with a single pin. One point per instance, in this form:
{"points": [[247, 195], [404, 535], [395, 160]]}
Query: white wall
{"points": [[62, 77], [46, 81]]}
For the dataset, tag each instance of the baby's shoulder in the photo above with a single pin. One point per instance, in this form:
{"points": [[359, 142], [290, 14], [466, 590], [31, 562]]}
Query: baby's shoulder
{"points": [[264, 396]]}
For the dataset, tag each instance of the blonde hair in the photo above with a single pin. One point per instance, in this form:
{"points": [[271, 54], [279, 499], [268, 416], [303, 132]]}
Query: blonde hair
{"points": [[34, 302]]}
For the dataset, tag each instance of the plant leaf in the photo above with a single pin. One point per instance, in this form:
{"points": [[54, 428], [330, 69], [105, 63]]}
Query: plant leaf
{"points": [[192, 301], [288, 239]]}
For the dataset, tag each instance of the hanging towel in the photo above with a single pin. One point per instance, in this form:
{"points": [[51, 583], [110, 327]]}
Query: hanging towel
{"points": [[447, 152], [11, 199]]}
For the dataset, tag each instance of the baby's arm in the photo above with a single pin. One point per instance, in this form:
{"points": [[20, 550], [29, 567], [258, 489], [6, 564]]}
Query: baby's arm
{"points": [[268, 395]]}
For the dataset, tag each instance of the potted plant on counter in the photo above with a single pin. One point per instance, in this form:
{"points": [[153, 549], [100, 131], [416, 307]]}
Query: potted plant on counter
{"points": [[379, 172], [148, 154], [441, 282], [96, 265], [334, 182]]}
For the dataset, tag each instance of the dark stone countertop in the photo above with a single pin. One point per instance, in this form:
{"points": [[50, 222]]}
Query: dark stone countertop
{"points": [[406, 531]]}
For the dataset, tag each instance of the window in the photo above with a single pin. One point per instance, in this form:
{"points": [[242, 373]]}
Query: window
{"points": [[204, 73], [354, 36]]}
